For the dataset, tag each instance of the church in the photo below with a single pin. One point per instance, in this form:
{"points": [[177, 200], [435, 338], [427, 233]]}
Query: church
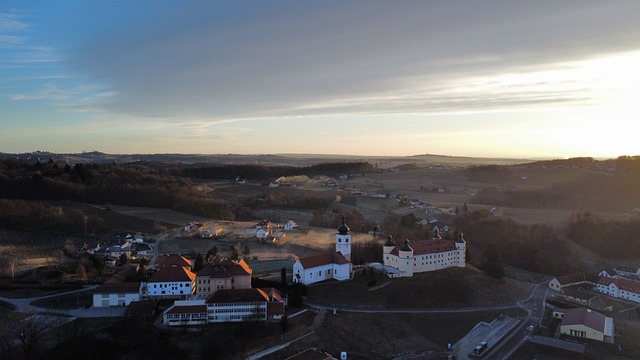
{"points": [[423, 255], [333, 265]]}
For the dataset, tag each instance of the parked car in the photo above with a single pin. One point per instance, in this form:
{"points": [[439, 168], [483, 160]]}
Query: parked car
{"points": [[481, 347]]}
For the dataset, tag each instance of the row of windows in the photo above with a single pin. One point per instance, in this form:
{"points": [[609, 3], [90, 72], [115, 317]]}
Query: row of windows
{"points": [[237, 310], [208, 289], [200, 316], [236, 317], [208, 281], [159, 286]]}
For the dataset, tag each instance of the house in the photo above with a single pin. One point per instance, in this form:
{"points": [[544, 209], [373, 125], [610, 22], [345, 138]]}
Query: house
{"points": [[174, 261], [575, 279], [588, 324], [423, 255], [609, 272], [261, 304], [290, 225], [263, 233], [115, 292], [210, 232], [186, 312], [619, 288], [170, 282], [221, 275], [334, 265]]}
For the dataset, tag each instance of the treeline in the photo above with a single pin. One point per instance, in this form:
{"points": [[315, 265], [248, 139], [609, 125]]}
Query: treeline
{"points": [[207, 171], [29, 215], [502, 241], [287, 199], [615, 190], [110, 184], [354, 220], [612, 239]]}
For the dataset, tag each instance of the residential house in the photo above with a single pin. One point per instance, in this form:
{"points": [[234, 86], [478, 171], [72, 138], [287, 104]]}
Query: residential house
{"points": [[575, 279], [263, 233], [334, 265], [290, 225], [115, 292], [221, 275], [423, 255], [619, 288], [170, 282], [588, 324]]}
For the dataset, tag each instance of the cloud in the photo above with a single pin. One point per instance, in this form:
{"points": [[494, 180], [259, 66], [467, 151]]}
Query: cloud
{"points": [[223, 61]]}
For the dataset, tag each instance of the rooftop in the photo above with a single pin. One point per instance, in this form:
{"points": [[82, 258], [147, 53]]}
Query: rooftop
{"points": [[323, 259]]}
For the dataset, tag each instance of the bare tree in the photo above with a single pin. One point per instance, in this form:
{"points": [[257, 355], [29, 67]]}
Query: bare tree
{"points": [[28, 333]]}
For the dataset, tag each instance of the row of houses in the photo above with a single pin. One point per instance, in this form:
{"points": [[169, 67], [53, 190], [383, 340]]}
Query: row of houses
{"points": [[609, 282], [220, 292], [585, 322]]}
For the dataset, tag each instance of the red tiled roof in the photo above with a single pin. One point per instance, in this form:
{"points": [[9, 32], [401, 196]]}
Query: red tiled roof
{"points": [[225, 268], [172, 274], [627, 285], [114, 285], [432, 246], [175, 260], [323, 259], [576, 278], [244, 295], [237, 295], [584, 316], [188, 309]]}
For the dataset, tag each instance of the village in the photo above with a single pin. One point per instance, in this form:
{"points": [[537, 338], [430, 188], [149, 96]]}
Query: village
{"points": [[195, 290]]}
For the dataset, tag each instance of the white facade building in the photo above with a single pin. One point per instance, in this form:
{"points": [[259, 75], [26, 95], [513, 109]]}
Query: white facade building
{"points": [[619, 288], [423, 255], [172, 282], [116, 293], [337, 265], [588, 324]]}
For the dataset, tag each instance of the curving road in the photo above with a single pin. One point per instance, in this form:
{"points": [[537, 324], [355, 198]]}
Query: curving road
{"points": [[533, 305]]}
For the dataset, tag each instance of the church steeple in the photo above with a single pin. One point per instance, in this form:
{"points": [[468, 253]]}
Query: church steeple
{"points": [[343, 240]]}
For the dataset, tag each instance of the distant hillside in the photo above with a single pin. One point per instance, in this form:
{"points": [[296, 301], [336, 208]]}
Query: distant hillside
{"points": [[256, 159], [612, 185]]}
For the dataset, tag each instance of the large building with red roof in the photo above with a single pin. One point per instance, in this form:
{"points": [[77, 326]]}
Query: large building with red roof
{"points": [[423, 255], [588, 324], [228, 305], [334, 265], [619, 288], [170, 282], [222, 275]]}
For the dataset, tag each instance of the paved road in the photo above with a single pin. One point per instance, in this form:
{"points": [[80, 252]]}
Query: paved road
{"points": [[533, 305], [24, 305]]}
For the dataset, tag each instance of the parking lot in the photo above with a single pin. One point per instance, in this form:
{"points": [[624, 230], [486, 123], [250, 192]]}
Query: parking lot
{"points": [[492, 333]]}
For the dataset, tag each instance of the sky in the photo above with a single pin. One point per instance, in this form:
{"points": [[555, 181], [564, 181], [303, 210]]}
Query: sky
{"points": [[490, 78]]}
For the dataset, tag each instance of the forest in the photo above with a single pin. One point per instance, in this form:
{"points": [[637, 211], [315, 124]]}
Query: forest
{"points": [[614, 189], [263, 172]]}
